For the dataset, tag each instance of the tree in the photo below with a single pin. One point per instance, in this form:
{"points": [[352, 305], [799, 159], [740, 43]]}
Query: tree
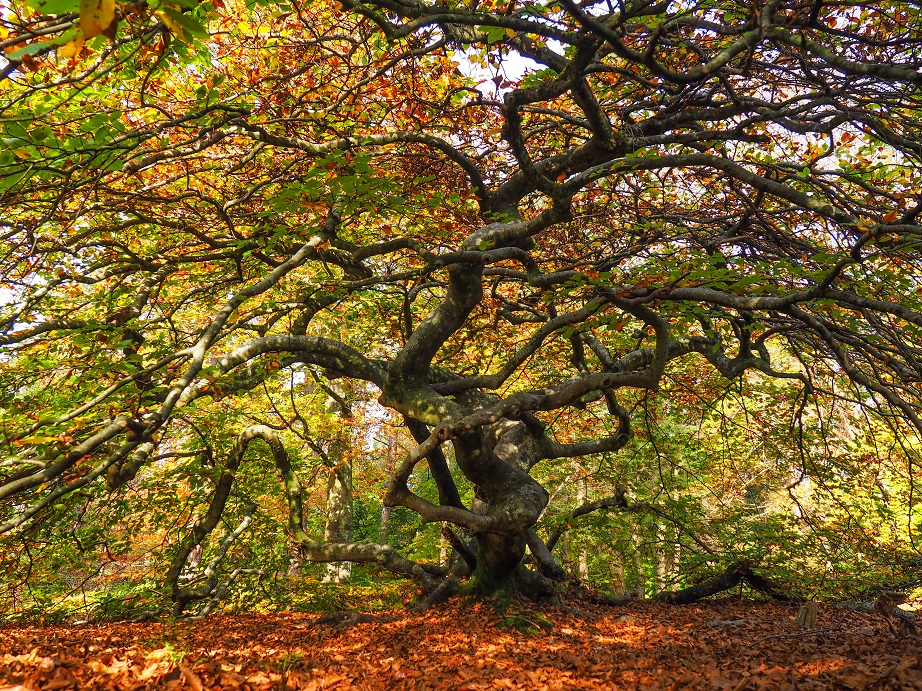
{"points": [[203, 205]]}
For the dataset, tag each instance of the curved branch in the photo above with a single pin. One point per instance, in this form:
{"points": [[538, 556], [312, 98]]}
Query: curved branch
{"points": [[397, 137], [695, 74], [494, 381], [619, 501], [732, 576], [353, 363], [384, 555]]}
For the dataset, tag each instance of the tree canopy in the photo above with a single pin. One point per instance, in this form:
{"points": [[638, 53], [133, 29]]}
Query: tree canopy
{"points": [[656, 258]]}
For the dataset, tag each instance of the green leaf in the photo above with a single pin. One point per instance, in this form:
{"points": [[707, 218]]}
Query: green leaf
{"points": [[54, 6], [31, 49], [495, 34], [41, 46]]}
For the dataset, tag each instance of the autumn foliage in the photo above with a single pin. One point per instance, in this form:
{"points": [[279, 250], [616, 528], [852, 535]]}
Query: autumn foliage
{"points": [[487, 297]]}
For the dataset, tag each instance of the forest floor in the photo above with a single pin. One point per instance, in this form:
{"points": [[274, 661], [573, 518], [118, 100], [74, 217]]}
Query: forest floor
{"points": [[720, 644]]}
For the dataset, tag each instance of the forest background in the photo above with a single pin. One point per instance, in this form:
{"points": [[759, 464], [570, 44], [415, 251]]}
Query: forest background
{"points": [[307, 294]]}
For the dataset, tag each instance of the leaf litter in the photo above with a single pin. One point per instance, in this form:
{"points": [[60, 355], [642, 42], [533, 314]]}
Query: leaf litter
{"points": [[720, 644]]}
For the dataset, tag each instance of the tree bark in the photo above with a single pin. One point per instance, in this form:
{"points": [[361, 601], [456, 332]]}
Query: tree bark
{"points": [[582, 554], [339, 518], [728, 579], [384, 528], [339, 491]]}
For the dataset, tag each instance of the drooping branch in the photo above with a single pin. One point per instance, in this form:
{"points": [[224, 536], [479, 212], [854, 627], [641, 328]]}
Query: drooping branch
{"points": [[426, 575], [63, 461], [728, 579], [23, 516], [377, 141], [547, 563], [438, 466], [384, 555], [838, 351], [352, 363], [619, 501], [611, 443], [183, 596], [457, 544], [211, 333]]}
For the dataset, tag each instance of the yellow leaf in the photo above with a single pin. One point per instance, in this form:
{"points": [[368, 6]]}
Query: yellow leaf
{"points": [[174, 28], [96, 16], [510, 33], [862, 228], [891, 217], [25, 441], [71, 48]]}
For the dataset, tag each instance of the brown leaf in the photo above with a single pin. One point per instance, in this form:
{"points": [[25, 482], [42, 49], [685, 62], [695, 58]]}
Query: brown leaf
{"points": [[192, 678]]}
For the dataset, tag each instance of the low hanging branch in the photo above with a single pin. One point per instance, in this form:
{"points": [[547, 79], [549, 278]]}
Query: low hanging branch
{"points": [[736, 572], [619, 501], [428, 576], [457, 544]]}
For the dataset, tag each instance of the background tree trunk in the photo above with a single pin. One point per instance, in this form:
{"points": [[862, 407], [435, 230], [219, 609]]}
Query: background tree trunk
{"points": [[640, 583], [339, 492], [339, 518], [383, 529], [582, 554]]}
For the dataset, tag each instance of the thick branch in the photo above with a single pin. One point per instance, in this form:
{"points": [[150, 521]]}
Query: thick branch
{"points": [[353, 363], [730, 578]]}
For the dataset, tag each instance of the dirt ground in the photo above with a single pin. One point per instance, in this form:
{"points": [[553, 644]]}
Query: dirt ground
{"points": [[711, 645]]}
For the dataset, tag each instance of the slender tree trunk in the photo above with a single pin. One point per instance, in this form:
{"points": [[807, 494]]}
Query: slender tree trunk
{"points": [[390, 460], [641, 582], [662, 558], [195, 556], [582, 555], [616, 582], [565, 553], [295, 561], [339, 512], [339, 494], [676, 553], [444, 548], [383, 529]]}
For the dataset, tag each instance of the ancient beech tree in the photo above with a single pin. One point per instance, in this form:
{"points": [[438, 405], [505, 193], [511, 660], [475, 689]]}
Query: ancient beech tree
{"points": [[493, 215]]}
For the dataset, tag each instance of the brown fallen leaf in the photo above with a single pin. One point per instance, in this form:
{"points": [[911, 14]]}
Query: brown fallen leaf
{"points": [[64, 681], [191, 678]]}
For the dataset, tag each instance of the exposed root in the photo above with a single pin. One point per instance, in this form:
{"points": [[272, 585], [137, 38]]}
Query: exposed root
{"points": [[441, 594], [573, 610]]}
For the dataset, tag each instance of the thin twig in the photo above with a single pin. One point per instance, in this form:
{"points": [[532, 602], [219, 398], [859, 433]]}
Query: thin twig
{"points": [[803, 634]]}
